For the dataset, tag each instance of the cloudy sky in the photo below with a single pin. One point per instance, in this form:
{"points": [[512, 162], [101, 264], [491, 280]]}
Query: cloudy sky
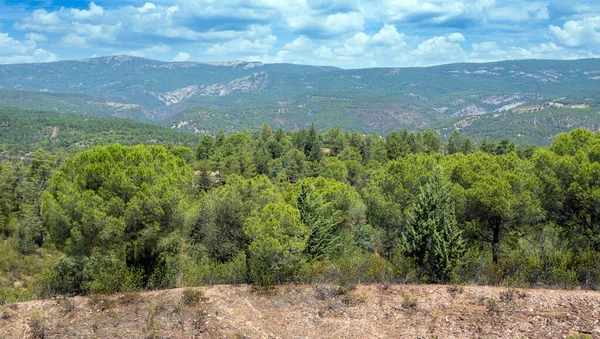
{"points": [[343, 33]]}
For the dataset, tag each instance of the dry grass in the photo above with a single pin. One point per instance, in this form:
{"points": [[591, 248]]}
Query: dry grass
{"points": [[324, 311]]}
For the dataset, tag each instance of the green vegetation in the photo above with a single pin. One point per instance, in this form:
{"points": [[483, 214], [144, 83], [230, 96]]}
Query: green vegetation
{"points": [[24, 131], [530, 101], [273, 207]]}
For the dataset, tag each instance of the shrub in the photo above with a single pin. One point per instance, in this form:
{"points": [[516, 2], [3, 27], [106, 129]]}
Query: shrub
{"points": [[278, 239], [36, 325], [493, 306], [130, 298], [152, 326], [107, 275], [588, 270], [66, 305], [101, 302], [455, 290], [410, 299], [192, 297]]}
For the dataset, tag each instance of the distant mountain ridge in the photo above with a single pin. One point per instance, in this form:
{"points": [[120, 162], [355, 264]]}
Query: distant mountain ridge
{"points": [[206, 97]]}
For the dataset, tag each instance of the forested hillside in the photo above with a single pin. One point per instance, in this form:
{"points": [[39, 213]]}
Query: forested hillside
{"points": [[23, 131], [272, 207], [530, 101]]}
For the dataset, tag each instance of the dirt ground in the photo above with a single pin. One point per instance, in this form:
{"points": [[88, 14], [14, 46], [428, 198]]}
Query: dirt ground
{"points": [[321, 311]]}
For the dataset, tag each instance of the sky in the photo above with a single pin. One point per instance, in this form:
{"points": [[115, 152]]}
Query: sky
{"points": [[342, 33]]}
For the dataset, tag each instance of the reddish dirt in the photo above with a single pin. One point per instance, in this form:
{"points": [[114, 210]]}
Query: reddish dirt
{"points": [[370, 311]]}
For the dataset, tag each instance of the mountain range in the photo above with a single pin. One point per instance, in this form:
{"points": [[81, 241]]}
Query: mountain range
{"points": [[528, 100]]}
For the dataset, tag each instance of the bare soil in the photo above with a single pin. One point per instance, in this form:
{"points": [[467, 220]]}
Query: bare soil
{"points": [[322, 311]]}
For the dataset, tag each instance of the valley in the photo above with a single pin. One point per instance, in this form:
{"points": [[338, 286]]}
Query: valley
{"points": [[208, 97]]}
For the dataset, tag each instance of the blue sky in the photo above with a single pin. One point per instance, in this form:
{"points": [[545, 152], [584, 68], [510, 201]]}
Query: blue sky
{"points": [[343, 33]]}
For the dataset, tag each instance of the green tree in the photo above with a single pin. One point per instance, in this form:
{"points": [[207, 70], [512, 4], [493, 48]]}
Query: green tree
{"points": [[468, 146], [322, 240], [572, 142], [488, 147], [432, 237], [206, 148], [219, 221], [334, 168], [312, 147], [396, 146], [501, 197], [432, 141], [457, 143], [265, 132], [277, 240], [335, 140], [291, 165], [375, 149], [262, 159], [118, 201], [392, 190], [582, 207], [331, 210], [236, 156]]}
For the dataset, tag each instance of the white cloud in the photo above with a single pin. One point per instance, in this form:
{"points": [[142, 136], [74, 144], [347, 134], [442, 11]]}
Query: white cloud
{"points": [[484, 46], [41, 21], [36, 37], [148, 6], [148, 52], [337, 32], [432, 11], [74, 40], [436, 50], [182, 56], [96, 23], [389, 35], [300, 44], [331, 25], [576, 33], [259, 10], [242, 46], [456, 37], [523, 11], [361, 42], [439, 46], [490, 51], [39, 55], [87, 14], [547, 48], [10, 46]]}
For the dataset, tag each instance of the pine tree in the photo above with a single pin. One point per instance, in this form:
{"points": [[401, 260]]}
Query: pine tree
{"points": [[322, 239], [432, 237], [312, 148]]}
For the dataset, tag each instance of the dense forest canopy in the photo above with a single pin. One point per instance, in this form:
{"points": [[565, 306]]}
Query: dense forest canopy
{"points": [[271, 207]]}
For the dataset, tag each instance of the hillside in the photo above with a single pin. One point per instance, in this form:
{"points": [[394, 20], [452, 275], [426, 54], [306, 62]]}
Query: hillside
{"points": [[24, 130], [206, 97], [370, 311]]}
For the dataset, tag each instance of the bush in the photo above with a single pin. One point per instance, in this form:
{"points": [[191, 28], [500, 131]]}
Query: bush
{"points": [[130, 298], [410, 299], [11, 295], [36, 325], [191, 297], [107, 275], [207, 271], [100, 302], [278, 238], [493, 306], [588, 270], [66, 305]]}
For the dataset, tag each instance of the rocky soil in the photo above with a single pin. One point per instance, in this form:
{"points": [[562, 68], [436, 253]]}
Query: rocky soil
{"points": [[322, 311]]}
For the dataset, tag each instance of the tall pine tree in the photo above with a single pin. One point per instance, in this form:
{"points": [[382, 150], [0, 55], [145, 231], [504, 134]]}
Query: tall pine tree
{"points": [[322, 240], [432, 237]]}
